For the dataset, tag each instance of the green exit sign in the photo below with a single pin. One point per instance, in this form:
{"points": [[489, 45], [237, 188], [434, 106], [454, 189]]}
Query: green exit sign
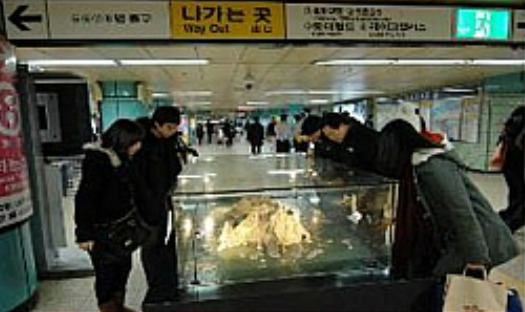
{"points": [[482, 24]]}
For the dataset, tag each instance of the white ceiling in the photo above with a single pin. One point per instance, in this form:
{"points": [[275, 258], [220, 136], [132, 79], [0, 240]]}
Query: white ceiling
{"points": [[279, 68]]}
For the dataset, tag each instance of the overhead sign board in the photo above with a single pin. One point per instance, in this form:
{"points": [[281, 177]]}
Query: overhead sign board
{"points": [[357, 22], [25, 19], [482, 24], [518, 31], [227, 20], [109, 20]]}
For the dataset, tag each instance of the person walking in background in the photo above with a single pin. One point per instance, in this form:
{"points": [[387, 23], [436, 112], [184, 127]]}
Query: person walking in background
{"points": [[209, 130], [158, 166], [283, 135], [199, 131], [270, 132], [255, 135], [509, 158], [443, 221], [105, 194]]}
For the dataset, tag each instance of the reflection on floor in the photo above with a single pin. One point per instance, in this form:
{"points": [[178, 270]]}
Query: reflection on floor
{"points": [[78, 295]]}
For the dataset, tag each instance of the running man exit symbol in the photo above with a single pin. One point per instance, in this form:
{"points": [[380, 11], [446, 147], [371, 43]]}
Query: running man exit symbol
{"points": [[20, 21]]}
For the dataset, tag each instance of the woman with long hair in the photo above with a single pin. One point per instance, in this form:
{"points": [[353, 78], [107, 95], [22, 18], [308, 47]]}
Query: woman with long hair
{"points": [[105, 194]]}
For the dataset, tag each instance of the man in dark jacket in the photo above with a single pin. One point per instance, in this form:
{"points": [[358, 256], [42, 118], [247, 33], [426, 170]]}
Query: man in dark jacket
{"points": [[158, 165], [256, 135]]}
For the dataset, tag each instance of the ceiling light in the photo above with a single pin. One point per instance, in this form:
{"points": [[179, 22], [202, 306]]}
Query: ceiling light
{"points": [[203, 103], [318, 101], [257, 103], [355, 62], [436, 62], [160, 94], [498, 62], [70, 63], [458, 90], [164, 62], [319, 92], [420, 62], [193, 93]]}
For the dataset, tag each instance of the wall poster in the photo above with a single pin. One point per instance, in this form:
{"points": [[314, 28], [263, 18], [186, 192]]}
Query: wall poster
{"points": [[470, 116], [15, 198]]}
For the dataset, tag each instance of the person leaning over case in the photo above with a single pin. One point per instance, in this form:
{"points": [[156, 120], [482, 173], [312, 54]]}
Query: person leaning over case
{"points": [[158, 165], [436, 197], [104, 196]]}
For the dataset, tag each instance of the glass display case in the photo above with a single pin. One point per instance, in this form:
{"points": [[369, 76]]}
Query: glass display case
{"points": [[249, 219]]}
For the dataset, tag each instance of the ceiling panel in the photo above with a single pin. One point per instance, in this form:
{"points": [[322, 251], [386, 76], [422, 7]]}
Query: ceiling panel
{"points": [[275, 67]]}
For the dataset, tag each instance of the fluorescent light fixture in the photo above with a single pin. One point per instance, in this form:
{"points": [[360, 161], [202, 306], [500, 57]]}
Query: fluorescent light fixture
{"points": [[164, 62], [458, 90], [160, 94], [318, 101], [498, 62], [355, 62], [203, 103], [70, 63], [257, 103], [285, 92], [420, 62], [319, 92], [436, 62], [193, 93], [286, 172]]}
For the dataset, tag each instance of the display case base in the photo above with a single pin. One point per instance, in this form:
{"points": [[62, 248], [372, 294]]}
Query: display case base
{"points": [[308, 294]]}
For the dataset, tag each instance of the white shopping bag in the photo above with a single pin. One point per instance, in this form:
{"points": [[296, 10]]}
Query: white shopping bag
{"points": [[468, 294]]}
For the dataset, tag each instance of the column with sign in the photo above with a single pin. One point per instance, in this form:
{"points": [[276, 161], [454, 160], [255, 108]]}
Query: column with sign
{"points": [[15, 201], [227, 20]]}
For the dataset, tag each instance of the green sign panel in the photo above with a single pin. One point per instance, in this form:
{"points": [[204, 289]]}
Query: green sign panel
{"points": [[482, 24]]}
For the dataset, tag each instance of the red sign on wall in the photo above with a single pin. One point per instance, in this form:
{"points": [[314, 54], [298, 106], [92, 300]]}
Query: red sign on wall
{"points": [[15, 200]]}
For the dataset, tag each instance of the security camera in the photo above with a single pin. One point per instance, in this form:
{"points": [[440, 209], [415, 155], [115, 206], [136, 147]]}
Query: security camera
{"points": [[249, 81]]}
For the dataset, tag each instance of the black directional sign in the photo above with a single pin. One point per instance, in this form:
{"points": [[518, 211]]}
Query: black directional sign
{"points": [[26, 19], [21, 21]]}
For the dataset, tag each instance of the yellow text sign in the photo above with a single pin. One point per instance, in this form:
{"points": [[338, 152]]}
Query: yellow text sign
{"points": [[227, 20]]}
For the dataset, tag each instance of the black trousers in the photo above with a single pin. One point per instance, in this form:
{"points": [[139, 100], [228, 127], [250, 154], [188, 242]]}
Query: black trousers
{"points": [[283, 146], [159, 260], [111, 273], [256, 148]]}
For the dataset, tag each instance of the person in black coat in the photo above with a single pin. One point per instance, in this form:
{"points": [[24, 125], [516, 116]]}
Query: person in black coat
{"points": [[158, 166], [512, 140], [105, 195], [256, 135]]}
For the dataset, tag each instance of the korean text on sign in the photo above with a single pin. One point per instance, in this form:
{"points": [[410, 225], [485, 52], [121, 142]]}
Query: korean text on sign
{"points": [[227, 20]]}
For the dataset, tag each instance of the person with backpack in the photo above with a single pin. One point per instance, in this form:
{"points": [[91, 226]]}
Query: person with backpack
{"points": [[443, 221]]}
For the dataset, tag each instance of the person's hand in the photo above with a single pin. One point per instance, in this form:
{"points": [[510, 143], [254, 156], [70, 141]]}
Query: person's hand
{"points": [[86, 246]]}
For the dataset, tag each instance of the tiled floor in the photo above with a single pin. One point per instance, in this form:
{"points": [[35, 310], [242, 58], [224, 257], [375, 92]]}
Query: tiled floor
{"points": [[77, 294]]}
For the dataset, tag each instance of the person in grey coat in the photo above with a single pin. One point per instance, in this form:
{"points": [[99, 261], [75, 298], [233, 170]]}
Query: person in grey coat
{"points": [[465, 229]]}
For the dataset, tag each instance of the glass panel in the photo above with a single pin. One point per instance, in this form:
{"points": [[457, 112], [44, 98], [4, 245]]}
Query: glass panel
{"points": [[230, 239], [241, 173]]}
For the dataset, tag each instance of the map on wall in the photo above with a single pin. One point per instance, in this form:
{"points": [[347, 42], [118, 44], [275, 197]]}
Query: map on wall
{"points": [[445, 117], [470, 119]]}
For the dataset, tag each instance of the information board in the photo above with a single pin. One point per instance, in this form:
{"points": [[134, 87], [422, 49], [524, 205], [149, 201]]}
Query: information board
{"points": [[109, 20], [227, 20], [351, 22]]}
